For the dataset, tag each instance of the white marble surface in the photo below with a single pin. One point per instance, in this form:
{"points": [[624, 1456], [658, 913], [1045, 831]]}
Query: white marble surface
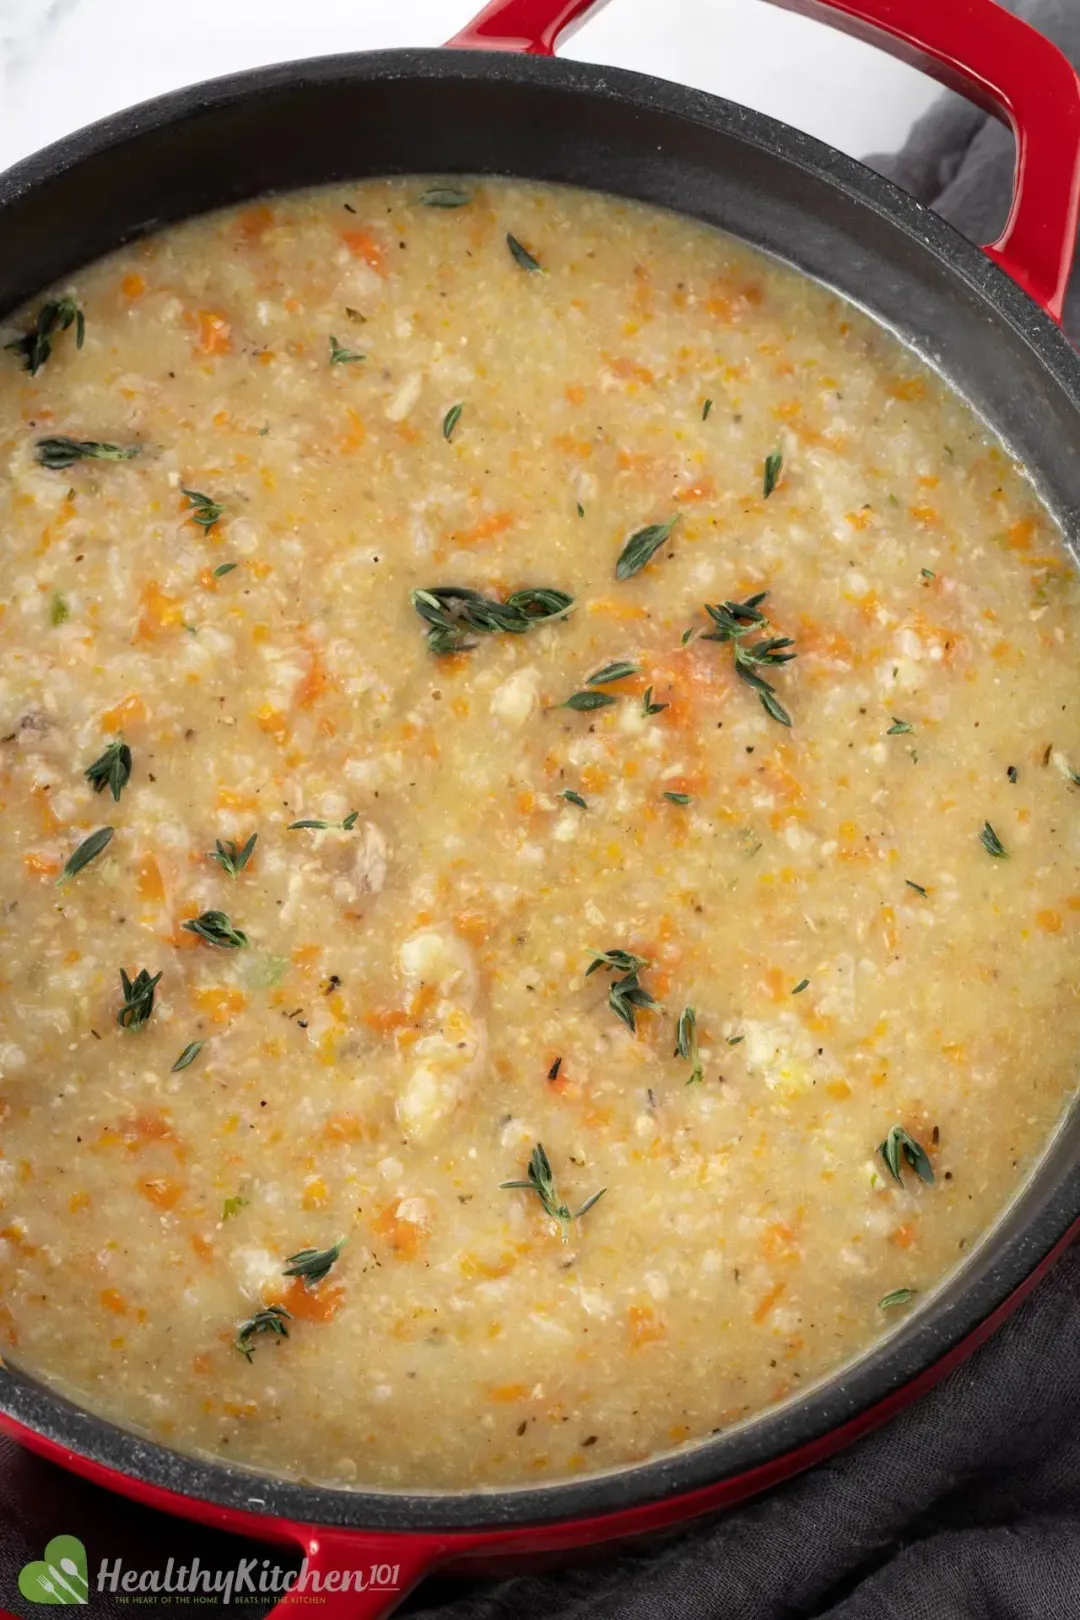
{"points": [[65, 62]]}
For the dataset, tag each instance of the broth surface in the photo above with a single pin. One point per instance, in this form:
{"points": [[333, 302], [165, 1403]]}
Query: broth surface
{"points": [[873, 911]]}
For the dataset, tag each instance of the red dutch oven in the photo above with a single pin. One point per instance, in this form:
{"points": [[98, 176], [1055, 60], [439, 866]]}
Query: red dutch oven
{"points": [[495, 102]]}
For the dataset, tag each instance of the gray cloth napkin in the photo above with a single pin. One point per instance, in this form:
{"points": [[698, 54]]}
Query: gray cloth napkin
{"points": [[964, 1507]]}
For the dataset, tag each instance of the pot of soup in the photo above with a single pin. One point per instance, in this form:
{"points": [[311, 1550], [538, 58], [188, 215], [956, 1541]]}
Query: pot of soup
{"points": [[540, 763]]}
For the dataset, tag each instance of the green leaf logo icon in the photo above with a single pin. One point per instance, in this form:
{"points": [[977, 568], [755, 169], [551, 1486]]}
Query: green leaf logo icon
{"points": [[59, 1577]]}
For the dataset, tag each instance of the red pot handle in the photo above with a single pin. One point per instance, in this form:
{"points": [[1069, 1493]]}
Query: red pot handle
{"points": [[974, 47], [353, 1575]]}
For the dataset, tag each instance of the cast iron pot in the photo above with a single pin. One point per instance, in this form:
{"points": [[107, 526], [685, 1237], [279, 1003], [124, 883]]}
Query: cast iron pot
{"points": [[495, 102]]}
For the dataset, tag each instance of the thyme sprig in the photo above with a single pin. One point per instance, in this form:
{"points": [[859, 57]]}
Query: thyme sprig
{"points": [[231, 859], [648, 707], [56, 454], [216, 929], [340, 356], [313, 1265], [642, 547], [54, 316], [452, 611], [686, 1046], [898, 1296], [317, 825], [138, 999], [270, 1320], [626, 993], [770, 476], [443, 197], [541, 1180], [203, 510], [87, 851], [992, 844], [897, 1148], [733, 621], [187, 1056], [112, 770]]}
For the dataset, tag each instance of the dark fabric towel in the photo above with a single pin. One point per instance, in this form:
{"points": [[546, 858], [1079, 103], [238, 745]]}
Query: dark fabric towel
{"points": [[965, 1507]]}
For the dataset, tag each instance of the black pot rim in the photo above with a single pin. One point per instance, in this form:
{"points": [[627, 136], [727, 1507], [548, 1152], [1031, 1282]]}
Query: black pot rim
{"points": [[1028, 1231]]}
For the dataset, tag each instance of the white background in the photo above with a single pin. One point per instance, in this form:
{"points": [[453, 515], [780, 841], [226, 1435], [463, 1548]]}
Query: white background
{"points": [[65, 62]]}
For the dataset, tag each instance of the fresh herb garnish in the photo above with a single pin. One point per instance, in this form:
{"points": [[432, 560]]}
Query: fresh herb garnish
{"points": [[204, 511], [112, 770], [678, 798], [686, 1046], [899, 1296], [56, 315], [87, 851], [916, 886], [802, 985], [899, 728], [233, 1206], [1013, 774], [313, 1265], [580, 510], [553, 1072], [734, 620], [187, 1056], [340, 356], [444, 197], [642, 547], [354, 315], [610, 673], [138, 999], [705, 409], [59, 610], [324, 826], [992, 844], [222, 569], [574, 798], [771, 474], [648, 706], [541, 1181], [270, 1320], [451, 611], [927, 573], [450, 421], [231, 859], [522, 254], [898, 1143], [587, 701], [626, 993], [57, 454], [733, 1040], [216, 929]]}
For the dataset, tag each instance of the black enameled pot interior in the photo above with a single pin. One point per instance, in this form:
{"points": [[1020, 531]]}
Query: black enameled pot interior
{"points": [[443, 112]]}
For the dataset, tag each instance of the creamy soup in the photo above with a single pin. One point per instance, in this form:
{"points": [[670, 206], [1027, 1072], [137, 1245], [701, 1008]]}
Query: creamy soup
{"points": [[577, 706]]}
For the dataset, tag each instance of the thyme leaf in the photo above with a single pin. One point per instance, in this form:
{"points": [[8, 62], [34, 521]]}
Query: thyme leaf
{"points": [[771, 474], [626, 994], [610, 673], [916, 886], [587, 701], [678, 798], [87, 851], [450, 421], [898, 1146], [452, 611], [138, 999], [648, 706], [705, 409], [899, 727], [59, 609], [686, 1046], [574, 798], [56, 454], [899, 1296], [324, 826], [541, 1181], [642, 547], [187, 1056], [522, 255], [444, 197], [222, 569], [54, 316], [204, 511], [992, 844], [231, 859], [233, 1206], [270, 1320], [803, 984], [216, 929], [112, 770], [340, 356], [313, 1265]]}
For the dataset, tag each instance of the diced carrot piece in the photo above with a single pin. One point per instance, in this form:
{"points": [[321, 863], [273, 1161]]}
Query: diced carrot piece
{"points": [[1049, 921], [362, 245], [164, 1191], [133, 285], [314, 683], [39, 865], [506, 1394], [220, 1002], [403, 1237], [130, 711], [644, 1326], [113, 1300], [306, 1304], [253, 223], [215, 333], [272, 721], [767, 1302], [150, 883]]}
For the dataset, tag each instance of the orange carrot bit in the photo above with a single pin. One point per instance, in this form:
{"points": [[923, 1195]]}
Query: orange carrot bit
{"points": [[150, 884], [362, 245], [163, 1191], [1049, 921], [40, 865], [202, 1246], [506, 1394], [403, 1237], [908, 388], [1020, 535], [159, 611], [314, 683], [113, 1300], [220, 1002], [644, 1326], [214, 333], [904, 1236], [77, 1201], [703, 490], [253, 223], [306, 1304], [272, 721], [133, 285], [130, 711], [768, 1302]]}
